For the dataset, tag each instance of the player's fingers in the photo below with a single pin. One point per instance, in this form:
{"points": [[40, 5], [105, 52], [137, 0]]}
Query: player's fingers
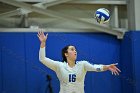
{"points": [[114, 64], [117, 69], [117, 73], [39, 33], [42, 31], [112, 72]]}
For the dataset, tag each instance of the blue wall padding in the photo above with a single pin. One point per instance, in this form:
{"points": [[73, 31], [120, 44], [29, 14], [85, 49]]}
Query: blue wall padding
{"points": [[130, 60], [136, 60], [127, 64], [1, 82], [13, 63], [21, 71]]}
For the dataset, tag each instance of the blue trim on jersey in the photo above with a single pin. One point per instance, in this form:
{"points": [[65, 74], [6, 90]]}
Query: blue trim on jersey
{"points": [[98, 69]]}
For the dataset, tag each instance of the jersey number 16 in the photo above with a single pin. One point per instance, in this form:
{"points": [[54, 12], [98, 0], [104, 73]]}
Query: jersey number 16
{"points": [[72, 77]]}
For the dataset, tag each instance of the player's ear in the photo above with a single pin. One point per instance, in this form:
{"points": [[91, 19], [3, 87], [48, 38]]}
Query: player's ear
{"points": [[66, 54]]}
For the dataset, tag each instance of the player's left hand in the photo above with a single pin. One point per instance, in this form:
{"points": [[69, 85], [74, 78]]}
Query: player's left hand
{"points": [[114, 69]]}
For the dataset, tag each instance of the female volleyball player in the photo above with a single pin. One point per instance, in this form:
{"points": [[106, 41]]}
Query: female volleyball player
{"points": [[71, 73]]}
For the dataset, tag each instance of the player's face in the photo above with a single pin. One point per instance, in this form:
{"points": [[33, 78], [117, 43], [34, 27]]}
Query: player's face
{"points": [[72, 53]]}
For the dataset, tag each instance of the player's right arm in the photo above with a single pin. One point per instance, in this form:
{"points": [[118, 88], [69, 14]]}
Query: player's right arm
{"points": [[42, 57]]}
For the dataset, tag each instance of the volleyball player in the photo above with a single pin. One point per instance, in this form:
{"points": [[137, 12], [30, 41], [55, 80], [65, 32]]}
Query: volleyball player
{"points": [[71, 73]]}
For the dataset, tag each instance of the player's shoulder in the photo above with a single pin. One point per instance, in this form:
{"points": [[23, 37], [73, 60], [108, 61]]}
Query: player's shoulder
{"points": [[62, 64]]}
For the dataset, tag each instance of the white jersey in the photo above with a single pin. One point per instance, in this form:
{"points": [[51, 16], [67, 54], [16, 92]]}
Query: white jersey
{"points": [[71, 79]]}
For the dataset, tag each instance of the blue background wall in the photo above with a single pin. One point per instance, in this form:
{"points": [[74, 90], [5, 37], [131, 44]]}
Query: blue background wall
{"points": [[0, 67], [136, 61], [21, 71], [13, 67], [127, 64], [130, 62]]}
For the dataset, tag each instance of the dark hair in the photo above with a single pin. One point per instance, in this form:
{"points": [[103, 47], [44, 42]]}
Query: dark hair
{"points": [[65, 50]]}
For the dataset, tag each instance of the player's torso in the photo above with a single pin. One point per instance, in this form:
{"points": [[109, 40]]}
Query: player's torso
{"points": [[67, 74]]}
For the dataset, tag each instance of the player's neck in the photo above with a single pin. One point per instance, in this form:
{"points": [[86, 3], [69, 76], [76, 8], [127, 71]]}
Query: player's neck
{"points": [[71, 63]]}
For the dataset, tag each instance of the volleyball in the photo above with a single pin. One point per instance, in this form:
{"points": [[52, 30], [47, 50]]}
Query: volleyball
{"points": [[102, 15]]}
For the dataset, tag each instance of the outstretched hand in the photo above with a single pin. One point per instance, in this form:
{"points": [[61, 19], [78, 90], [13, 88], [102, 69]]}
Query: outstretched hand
{"points": [[42, 37], [114, 69]]}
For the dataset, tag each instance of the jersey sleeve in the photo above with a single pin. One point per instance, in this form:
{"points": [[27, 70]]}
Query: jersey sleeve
{"points": [[47, 61], [91, 67]]}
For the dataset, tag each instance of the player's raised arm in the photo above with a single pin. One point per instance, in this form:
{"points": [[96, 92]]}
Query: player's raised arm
{"points": [[42, 57]]}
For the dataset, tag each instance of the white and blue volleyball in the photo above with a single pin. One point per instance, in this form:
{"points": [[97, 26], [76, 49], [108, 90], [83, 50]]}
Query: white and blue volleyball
{"points": [[102, 15]]}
